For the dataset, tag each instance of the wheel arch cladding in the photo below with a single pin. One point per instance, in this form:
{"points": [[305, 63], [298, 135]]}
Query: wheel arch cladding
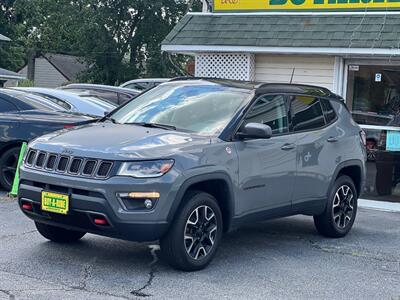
{"points": [[9, 145], [216, 184], [354, 171]]}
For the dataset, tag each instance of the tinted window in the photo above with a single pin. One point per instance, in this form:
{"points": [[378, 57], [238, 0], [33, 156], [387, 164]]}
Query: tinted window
{"points": [[269, 110], [56, 101], [141, 86], [306, 113], [102, 94], [6, 106], [124, 98], [27, 101], [330, 114]]}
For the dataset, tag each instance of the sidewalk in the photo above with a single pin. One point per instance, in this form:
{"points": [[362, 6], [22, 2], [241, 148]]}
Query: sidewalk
{"points": [[379, 205]]}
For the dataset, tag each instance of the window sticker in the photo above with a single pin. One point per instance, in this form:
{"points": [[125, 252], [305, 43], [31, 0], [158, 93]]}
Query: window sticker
{"points": [[393, 140]]}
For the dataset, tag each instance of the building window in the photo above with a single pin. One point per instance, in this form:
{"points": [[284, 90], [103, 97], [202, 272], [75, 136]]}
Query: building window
{"points": [[373, 96]]}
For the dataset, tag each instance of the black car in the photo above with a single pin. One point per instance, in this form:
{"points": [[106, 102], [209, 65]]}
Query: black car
{"points": [[23, 118], [114, 94]]}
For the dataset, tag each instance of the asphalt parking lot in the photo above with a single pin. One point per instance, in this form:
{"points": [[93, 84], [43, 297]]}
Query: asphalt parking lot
{"points": [[281, 259]]}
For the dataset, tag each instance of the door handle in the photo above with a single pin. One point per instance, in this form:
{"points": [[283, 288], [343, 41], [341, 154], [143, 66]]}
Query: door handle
{"points": [[333, 139], [288, 146]]}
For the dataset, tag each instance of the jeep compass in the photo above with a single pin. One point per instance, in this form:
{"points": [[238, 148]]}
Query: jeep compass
{"points": [[193, 158]]}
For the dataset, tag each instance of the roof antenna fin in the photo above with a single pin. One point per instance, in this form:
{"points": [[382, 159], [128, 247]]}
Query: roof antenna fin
{"points": [[291, 78]]}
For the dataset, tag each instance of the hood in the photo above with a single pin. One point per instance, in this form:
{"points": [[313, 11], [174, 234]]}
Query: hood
{"points": [[53, 116], [119, 142]]}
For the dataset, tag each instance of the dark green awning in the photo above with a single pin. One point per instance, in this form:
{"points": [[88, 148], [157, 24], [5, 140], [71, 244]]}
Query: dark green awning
{"points": [[367, 31]]}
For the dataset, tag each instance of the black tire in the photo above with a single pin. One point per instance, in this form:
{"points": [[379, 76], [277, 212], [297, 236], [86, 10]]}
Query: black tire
{"points": [[341, 209], [195, 252], [58, 234], [8, 167]]}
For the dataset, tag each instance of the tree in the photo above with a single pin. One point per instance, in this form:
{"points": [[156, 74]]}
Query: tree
{"points": [[12, 54], [119, 39]]}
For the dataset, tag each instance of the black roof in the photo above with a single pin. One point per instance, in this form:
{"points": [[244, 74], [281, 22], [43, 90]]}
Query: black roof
{"points": [[263, 88]]}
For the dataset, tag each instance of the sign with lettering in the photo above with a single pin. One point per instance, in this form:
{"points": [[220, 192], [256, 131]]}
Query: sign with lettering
{"points": [[296, 5]]}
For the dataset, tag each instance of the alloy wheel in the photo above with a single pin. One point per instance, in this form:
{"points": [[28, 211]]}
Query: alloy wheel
{"points": [[200, 232], [9, 167], [343, 206]]}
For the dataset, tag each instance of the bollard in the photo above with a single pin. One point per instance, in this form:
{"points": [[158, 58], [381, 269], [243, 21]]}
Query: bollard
{"points": [[14, 190]]}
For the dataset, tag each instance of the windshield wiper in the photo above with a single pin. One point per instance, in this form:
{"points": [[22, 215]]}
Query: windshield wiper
{"points": [[107, 118], [154, 125]]}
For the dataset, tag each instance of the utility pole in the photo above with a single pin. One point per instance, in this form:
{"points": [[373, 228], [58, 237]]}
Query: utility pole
{"points": [[207, 5]]}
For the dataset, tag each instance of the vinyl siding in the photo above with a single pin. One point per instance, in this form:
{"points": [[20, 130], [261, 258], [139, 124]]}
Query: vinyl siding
{"points": [[313, 70], [46, 75]]}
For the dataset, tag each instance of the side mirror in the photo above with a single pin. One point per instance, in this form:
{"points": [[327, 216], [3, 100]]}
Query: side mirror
{"points": [[255, 131]]}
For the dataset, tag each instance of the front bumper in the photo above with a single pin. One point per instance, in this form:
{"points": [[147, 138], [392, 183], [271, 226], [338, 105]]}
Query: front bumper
{"points": [[91, 197]]}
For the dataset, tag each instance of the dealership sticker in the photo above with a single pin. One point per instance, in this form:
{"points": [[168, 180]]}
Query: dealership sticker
{"points": [[393, 140]]}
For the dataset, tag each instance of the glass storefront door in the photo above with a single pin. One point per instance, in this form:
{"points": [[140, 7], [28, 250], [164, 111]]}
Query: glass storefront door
{"points": [[373, 96]]}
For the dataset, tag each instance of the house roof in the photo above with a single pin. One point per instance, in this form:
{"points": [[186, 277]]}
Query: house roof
{"points": [[6, 74], [3, 38], [68, 65], [374, 33]]}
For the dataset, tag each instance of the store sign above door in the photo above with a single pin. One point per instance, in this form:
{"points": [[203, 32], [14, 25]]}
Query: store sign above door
{"points": [[303, 5]]}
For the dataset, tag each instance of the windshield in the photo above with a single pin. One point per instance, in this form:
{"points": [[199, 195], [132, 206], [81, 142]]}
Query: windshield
{"points": [[203, 108]]}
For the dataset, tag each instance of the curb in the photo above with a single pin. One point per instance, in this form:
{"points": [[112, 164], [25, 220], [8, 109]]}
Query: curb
{"points": [[379, 205]]}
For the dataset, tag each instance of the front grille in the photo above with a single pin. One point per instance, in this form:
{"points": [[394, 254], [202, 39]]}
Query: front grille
{"points": [[75, 166], [62, 164], [88, 169], [40, 160], [104, 168], [51, 161], [30, 157]]}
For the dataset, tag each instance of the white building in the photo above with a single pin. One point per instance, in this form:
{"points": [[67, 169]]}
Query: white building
{"points": [[356, 54]]}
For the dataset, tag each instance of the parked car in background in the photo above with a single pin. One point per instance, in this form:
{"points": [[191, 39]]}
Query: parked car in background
{"points": [[24, 117], [191, 159], [72, 102], [114, 94], [143, 84]]}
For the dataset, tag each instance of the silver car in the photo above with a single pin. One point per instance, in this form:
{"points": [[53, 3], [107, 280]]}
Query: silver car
{"points": [[72, 102]]}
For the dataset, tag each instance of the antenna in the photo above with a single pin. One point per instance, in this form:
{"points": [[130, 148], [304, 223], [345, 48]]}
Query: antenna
{"points": [[291, 78]]}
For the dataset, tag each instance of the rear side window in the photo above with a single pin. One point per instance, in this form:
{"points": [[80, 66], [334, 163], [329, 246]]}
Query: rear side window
{"points": [[269, 110], [329, 112], [306, 113], [56, 101], [6, 106], [124, 98]]}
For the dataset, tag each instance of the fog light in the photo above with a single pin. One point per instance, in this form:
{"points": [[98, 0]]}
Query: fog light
{"points": [[139, 200], [148, 203]]}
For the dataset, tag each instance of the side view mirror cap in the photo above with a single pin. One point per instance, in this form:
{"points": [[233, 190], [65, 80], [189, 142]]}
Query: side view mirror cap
{"points": [[255, 131]]}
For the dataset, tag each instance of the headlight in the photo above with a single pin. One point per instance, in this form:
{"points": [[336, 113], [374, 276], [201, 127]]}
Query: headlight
{"points": [[146, 169]]}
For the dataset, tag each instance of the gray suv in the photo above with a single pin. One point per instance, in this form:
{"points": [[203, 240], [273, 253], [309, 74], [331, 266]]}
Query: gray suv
{"points": [[191, 159]]}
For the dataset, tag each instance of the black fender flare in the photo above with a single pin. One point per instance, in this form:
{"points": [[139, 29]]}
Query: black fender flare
{"points": [[349, 163], [7, 145], [219, 175]]}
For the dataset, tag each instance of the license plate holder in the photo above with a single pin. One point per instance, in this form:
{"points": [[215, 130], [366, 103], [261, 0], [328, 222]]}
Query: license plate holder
{"points": [[55, 202]]}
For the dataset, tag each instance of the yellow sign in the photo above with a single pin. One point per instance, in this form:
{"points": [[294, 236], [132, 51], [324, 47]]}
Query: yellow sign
{"points": [[54, 202], [312, 5]]}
